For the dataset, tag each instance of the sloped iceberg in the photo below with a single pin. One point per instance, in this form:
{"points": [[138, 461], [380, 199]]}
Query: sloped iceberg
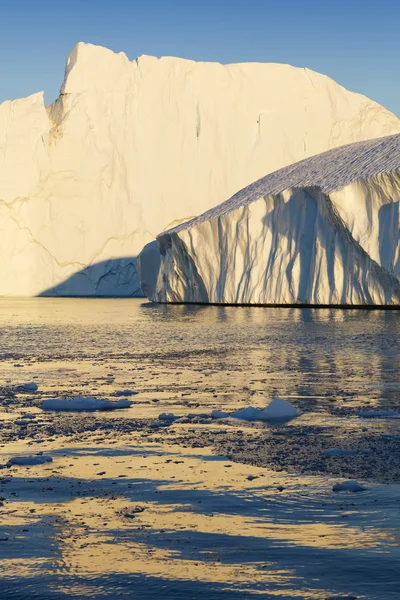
{"points": [[323, 231]]}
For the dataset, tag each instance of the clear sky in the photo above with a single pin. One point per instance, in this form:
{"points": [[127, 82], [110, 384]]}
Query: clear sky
{"points": [[356, 42]]}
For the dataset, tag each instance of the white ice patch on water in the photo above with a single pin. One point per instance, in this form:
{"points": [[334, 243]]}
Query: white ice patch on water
{"points": [[276, 410], [83, 403], [348, 486]]}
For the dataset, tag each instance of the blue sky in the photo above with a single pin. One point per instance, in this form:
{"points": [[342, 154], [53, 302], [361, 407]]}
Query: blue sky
{"points": [[355, 42]]}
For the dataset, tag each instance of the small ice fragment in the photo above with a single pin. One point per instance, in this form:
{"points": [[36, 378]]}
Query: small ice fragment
{"points": [[167, 417], [22, 422], [125, 393], [338, 452], [83, 403], [348, 486], [379, 414], [30, 387], [248, 414], [251, 477], [29, 460], [280, 409]]}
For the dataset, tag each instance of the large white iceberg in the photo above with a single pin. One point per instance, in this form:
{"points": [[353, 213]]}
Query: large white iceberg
{"points": [[323, 231], [132, 146]]}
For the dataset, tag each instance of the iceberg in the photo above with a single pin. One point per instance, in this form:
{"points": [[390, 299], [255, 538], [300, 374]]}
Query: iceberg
{"points": [[323, 231], [131, 146]]}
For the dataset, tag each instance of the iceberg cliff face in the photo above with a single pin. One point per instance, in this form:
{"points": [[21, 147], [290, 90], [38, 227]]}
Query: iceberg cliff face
{"points": [[324, 231], [131, 146]]}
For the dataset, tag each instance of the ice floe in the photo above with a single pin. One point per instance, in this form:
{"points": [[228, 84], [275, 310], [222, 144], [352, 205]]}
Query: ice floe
{"points": [[29, 460], [276, 410], [28, 387], [167, 417], [348, 486], [83, 403], [379, 414]]}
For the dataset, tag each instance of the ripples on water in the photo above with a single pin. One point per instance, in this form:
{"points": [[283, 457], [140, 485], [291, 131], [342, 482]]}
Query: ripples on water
{"points": [[211, 533]]}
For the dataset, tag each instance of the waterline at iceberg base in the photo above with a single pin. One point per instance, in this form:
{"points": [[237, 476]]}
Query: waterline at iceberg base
{"points": [[324, 231]]}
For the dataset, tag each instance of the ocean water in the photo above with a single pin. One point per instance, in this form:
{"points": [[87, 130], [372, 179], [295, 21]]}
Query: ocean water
{"points": [[294, 352], [67, 529]]}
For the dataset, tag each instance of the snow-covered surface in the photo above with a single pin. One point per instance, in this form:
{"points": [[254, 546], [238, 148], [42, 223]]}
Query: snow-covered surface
{"points": [[277, 409], [83, 403], [132, 146], [324, 231]]}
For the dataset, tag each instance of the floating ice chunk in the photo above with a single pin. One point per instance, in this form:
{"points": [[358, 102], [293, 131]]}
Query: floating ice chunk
{"points": [[348, 486], [338, 452], [167, 417], [83, 403], [379, 414], [30, 387], [125, 393], [248, 414], [29, 460], [280, 409], [23, 422], [219, 414]]}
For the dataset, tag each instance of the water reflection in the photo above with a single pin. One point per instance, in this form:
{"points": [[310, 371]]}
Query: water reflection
{"points": [[207, 530], [212, 531]]}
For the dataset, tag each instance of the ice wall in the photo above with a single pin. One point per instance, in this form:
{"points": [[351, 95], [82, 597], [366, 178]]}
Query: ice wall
{"points": [[131, 146]]}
